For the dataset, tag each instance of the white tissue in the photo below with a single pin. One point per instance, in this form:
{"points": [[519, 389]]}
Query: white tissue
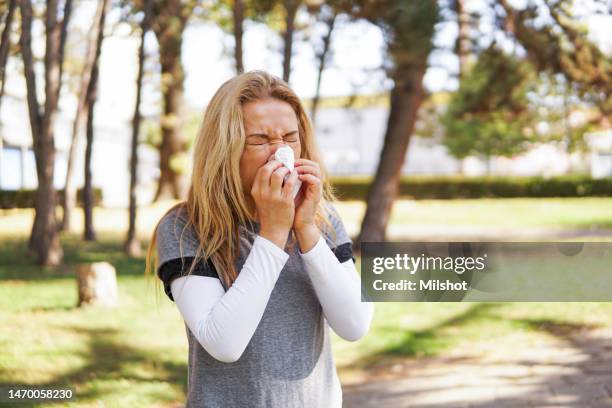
{"points": [[285, 155]]}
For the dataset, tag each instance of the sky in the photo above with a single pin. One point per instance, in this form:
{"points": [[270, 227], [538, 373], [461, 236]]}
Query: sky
{"points": [[358, 52]]}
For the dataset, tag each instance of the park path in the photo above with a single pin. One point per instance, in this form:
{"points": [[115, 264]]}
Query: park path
{"points": [[569, 367]]}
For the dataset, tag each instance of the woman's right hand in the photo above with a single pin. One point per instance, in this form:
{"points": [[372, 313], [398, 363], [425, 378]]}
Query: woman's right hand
{"points": [[274, 201]]}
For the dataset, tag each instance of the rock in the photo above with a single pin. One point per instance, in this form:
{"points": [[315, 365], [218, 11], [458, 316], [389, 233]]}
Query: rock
{"points": [[97, 284]]}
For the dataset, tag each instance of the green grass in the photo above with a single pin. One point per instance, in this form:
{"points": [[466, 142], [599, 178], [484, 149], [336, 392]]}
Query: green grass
{"points": [[136, 355], [579, 213]]}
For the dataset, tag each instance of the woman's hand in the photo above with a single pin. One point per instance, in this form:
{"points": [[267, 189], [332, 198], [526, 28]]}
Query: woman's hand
{"points": [[274, 202], [311, 193]]}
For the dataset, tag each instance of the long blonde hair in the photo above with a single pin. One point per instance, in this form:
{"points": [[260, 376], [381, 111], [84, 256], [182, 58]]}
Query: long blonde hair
{"points": [[216, 203]]}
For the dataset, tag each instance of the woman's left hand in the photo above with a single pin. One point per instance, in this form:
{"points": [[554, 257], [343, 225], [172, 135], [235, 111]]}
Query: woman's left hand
{"points": [[309, 173]]}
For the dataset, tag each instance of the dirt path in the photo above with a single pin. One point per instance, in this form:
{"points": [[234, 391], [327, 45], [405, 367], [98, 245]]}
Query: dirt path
{"points": [[567, 368]]}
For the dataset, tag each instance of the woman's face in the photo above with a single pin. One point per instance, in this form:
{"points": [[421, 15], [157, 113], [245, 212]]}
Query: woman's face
{"points": [[269, 124]]}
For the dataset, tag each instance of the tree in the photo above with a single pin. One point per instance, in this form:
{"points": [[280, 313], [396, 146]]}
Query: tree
{"points": [[229, 15], [168, 21], [489, 115], [132, 245], [327, 16], [285, 11], [238, 18], [408, 27], [91, 97], [291, 7], [561, 46], [89, 233], [5, 44], [44, 239], [94, 42], [463, 44]]}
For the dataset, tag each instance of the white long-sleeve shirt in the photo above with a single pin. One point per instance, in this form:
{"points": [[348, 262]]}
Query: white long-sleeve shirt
{"points": [[224, 322]]}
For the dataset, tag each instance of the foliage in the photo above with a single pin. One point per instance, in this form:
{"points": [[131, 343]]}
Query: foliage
{"points": [[489, 114], [565, 117], [25, 198], [407, 26], [420, 187], [562, 46]]}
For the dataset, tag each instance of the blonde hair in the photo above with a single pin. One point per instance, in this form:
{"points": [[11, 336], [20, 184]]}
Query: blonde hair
{"points": [[216, 204]]}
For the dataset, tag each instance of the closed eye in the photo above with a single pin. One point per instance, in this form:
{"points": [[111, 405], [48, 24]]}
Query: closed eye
{"points": [[262, 138], [257, 139], [291, 137]]}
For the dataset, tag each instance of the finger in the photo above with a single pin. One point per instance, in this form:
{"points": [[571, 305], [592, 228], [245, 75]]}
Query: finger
{"points": [[262, 177], [276, 180], [310, 179], [290, 183], [301, 162], [307, 169]]}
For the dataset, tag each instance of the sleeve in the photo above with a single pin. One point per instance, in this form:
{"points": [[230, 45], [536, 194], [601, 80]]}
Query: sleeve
{"points": [[176, 250], [342, 246], [222, 321], [337, 284], [177, 267]]}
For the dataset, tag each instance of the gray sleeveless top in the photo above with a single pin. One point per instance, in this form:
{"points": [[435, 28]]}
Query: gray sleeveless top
{"points": [[288, 362]]}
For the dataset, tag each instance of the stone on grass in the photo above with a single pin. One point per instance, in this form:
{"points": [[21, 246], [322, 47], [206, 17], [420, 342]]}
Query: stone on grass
{"points": [[97, 284]]}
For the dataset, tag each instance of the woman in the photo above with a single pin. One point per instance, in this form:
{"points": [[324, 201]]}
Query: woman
{"points": [[258, 276]]}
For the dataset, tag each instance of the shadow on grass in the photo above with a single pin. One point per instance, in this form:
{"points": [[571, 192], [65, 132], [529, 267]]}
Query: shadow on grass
{"points": [[426, 342], [17, 262], [110, 360]]}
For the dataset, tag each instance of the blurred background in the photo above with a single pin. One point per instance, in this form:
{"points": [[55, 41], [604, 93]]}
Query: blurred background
{"points": [[449, 120]]}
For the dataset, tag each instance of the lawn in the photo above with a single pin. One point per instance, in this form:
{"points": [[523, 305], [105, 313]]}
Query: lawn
{"points": [[135, 355], [579, 213]]}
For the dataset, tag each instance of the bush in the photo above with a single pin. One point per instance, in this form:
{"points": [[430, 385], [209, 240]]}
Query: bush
{"points": [[448, 187], [25, 198]]}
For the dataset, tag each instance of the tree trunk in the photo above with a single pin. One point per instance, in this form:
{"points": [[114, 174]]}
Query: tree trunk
{"points": [[92, 94], [70, 188], [5, 45], [406, 97], [170, 19], [291, 7], [172, 184], [322, 62], [89, 233], [463, 43], [238, 11], [33, 105], [132, 245], [63, 36], [44, 239]]}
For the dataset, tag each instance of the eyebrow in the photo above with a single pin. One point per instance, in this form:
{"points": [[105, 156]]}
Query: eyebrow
{"points": [[266, 136]]}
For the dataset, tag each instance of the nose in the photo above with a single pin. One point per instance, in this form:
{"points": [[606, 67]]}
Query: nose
{"points": [[275, 145]]}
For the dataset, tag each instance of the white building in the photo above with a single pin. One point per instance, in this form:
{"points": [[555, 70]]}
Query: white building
{"points": [[601, 154]]}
